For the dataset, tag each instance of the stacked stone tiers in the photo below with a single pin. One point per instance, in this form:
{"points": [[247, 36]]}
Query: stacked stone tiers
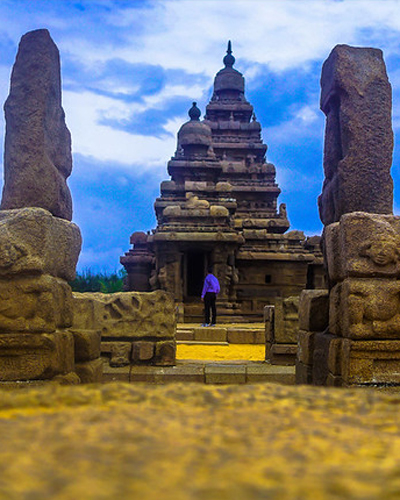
{"points": [[361, 342], [38, 255]]}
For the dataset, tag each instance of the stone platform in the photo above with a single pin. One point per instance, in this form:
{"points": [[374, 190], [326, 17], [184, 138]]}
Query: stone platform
{"points": [[204, 372], [233, 333]]}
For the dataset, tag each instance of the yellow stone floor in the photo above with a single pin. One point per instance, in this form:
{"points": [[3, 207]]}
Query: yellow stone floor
{"points": [[203, 352], [198, 442]]}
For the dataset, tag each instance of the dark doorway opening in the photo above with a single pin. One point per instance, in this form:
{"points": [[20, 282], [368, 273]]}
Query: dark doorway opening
{"points": [[195, 273]]}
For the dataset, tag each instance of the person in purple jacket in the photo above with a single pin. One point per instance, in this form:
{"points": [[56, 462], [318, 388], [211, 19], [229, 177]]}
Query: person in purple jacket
{"points": [[209, 294]]}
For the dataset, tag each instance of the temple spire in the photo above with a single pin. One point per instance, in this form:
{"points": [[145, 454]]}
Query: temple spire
{"points": [[229, 60]]}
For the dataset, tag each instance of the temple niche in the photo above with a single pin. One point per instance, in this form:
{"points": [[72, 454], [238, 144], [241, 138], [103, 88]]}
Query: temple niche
{"points": [[220, 208]]}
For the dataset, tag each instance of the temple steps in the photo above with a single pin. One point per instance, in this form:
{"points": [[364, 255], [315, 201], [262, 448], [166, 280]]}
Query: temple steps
{"points": [[223, 354], [232, 333], [205, 372]]}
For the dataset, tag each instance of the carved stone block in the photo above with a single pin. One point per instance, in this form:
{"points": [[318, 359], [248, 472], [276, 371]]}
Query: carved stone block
{"points": [[120, 353], [335, 356], [320, 367], [363, 245], [286, 322], [165, 353], [303, 373], [35, 304], [90, 372], [132, 315], [34, 241], [87, 344], [370, 362], [142, 351], [314, 310], [269, 312], [26, 356], [282, 354], [365, 309], [305, 347]]}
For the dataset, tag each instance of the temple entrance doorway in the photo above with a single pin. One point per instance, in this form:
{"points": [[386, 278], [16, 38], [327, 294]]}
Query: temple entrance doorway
{"points": [[195, 271]]}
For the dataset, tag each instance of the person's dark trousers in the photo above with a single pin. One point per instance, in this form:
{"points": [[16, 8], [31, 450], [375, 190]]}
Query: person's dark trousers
{"points": [[209, 305]]}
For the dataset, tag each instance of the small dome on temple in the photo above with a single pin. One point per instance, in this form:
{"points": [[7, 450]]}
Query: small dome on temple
{"points": [[194, 136], [228, 79]]}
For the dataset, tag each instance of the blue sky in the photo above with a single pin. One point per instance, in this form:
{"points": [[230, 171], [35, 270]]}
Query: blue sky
{"points": [[131, 69]]}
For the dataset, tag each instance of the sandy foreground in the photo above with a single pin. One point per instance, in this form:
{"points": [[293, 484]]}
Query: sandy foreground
{"points": [[192, 441]]}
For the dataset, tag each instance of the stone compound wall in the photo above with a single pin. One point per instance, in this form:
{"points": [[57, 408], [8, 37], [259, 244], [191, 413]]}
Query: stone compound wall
{"points": [[281, 331], [135, 327]]}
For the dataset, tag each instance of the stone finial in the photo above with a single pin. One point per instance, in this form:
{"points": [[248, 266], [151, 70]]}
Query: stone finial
{"points": [[229, 60], [356, 99], [37, 157], [194, 112]]}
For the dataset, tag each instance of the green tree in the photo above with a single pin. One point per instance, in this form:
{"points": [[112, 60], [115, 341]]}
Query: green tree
{"points": [[87, 281]]}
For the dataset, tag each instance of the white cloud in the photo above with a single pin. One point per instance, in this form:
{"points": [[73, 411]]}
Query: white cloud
{"points": [[193, 92], [305, 123], [191, 34], [90, 138]]}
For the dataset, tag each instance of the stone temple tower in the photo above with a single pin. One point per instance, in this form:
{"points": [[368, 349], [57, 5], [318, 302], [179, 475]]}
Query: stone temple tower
{"points": [[220, 208]]}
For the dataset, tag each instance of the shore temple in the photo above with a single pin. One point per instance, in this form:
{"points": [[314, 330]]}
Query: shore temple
{"points": [[220, 208]]}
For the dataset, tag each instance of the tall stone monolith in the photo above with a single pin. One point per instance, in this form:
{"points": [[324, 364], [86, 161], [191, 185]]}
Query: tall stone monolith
{"points": [[359, 342], [37, 159], [39, 246], [356, 98]]}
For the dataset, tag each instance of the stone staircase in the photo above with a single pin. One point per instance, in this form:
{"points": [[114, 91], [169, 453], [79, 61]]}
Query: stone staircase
{"points": [[209, 371]]}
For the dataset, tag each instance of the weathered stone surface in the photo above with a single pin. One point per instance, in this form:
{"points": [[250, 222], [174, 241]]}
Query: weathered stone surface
{"points": [[87, 344], [303, 373], [225, 374], [363, 245], [37, 156], [314, 310], [132, 315], [120, 353], [320, 368], [335, 356], [211, 333], [165, 353], [90, 372], [356, 98], [269, 319], [281, 354], [37, 304], [370, 362], [142, 351], [286, 321], [365, 309], [305, 347], [34, 241], [26, 356], [245, 336]]}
